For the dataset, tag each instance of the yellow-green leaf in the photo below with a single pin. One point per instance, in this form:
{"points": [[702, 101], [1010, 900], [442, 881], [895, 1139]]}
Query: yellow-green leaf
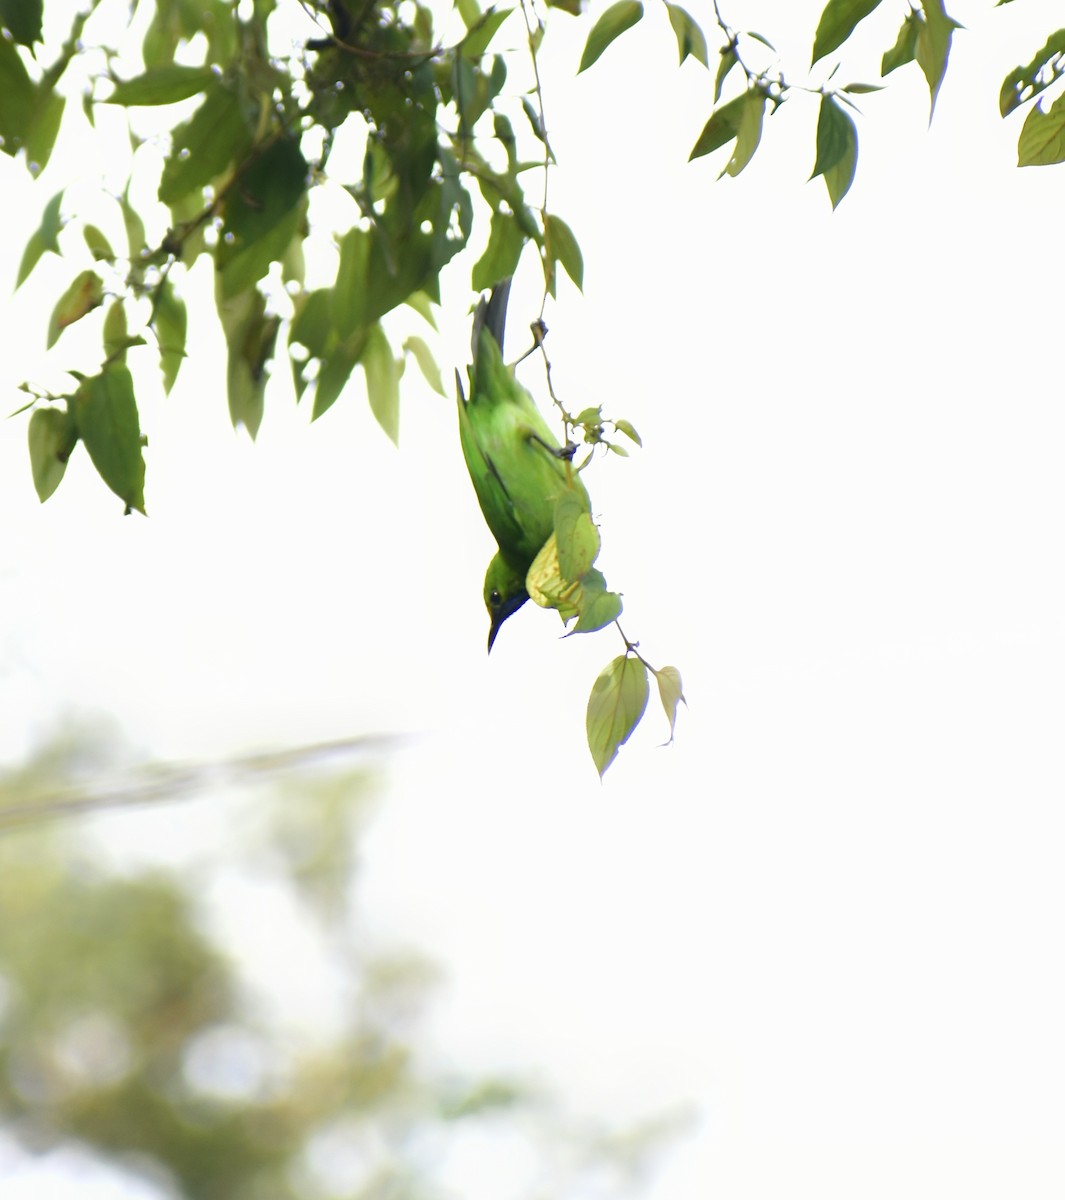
{"points": [[837, 149], [690, 38], [618, 701], [44, 238], [615, 21], [83, 295], [561, 246], [577, 537], [106, 414], [99, 246], [837, 24], [671, 693], [1042, 139], [170, 322], [933, 46], [51, 437], [162, 85], [1025, 83], [382, 380], [423, 356]]}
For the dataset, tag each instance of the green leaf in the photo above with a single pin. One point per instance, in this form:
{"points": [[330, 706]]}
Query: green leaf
{"points": [[262, 213], [933, 46], [837, 24], [116, 332], [573, 7], [22, 19], [690, 38], [161, 85], [618, 701], [722, 127], [52, 437], [106, 414], [250, 337], [561, 246], [500, 258], [1025, 83], [170, 322], [423, 306], [44, 238], [749, 133], [423, 356], [728, 61], [629, 431], [576, 535], [212, 141], [131, 218], [99, 246], [20, 97], [83, 295], [335, 370], [905, 48], [1042, 139], [597, 610], [837, 149], [861, 89], [671, 693], [477, 40], [615, 21], [382, 381], [43, 128]]}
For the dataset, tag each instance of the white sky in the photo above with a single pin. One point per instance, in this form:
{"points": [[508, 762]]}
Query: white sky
{"points": [[830, 915]]}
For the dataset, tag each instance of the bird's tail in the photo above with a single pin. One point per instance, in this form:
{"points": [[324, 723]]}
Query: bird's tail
{"points": [[491, 314]]}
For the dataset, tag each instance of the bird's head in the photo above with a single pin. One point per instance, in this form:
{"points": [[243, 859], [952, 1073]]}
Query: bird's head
{"points": [[504, 593]]}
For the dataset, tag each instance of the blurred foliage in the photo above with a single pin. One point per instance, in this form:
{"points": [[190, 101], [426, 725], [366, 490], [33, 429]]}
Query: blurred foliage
{"points": [[128, 1025]]}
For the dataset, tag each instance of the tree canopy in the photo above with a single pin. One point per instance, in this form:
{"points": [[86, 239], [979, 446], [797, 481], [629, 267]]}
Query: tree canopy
{"points": [[429, 127]]}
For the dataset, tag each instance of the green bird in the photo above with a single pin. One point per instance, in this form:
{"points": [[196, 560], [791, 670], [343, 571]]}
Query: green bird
{"points": [[516, 463]]}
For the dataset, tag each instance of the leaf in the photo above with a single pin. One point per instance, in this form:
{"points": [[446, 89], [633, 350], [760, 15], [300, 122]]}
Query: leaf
{"points": [[135, 238], [933, 46], [52, 437], [22, 19], [161, 85], [212, 141], [30, 113], [597, 610], [690, 38], [861, 89], [106, 414], [671, 693], [1042, 139], [83, 295], [837, 149], [116, 333], [629, 431], [612, 24], [618, 701], [423, 356], [749, 133], [837, 23], [1025, 83], [576, 535], [561, 246], [546, 587], [728, 61], [43, 238], [500, 258], [170, 322], [905, 48], [477, 40], [722, 127], [250, 337], [99, 246], [382, 381], [336, 368], [262, 212]]}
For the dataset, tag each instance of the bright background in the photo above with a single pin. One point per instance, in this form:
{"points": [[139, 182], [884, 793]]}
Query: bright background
{"points": [[829, 917]]}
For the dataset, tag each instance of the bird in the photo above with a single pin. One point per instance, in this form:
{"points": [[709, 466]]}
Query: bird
{"points": [[517, 465]]}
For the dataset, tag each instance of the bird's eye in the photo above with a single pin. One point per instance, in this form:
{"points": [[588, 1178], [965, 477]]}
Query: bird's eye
{"points": [[494, 598]]}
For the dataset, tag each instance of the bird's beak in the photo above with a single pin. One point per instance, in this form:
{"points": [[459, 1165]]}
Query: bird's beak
{"points": [[501, 614]]}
